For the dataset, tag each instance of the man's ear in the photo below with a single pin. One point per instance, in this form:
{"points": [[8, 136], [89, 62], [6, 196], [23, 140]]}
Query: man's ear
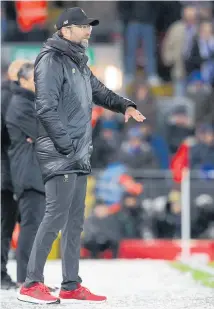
{"points": [[22, 81]]}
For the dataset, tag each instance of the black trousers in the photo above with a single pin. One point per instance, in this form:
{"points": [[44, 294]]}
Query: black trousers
{"points": [[31, 208], [9, 214], [65, 205]]}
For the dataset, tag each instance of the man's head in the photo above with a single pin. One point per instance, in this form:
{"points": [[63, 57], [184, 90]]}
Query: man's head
{"points": [[190, 14], [26, 76], [14, 68], [205, 134], [206, 30], [180, 116], [74, 25]]}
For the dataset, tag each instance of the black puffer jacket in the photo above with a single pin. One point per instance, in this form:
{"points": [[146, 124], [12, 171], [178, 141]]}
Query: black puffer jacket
{"points": [[6, 95], [21, 123], [65, 91]]}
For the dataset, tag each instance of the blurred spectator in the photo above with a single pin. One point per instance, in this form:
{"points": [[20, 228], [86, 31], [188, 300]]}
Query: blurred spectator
{"points": [[140, 17], [178, 128], [131, 216], [102, 229], [168, 223], [203, 100], [177, 44], [200, 60], [146, 103], [105, 143], [114, 181], [108, 224], [205, 10], [158, 144], [203, 224], [110, 121], [137, 152], [202, 153]]}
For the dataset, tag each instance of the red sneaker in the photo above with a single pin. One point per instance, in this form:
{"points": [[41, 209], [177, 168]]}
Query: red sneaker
{"points": [[37, 294], [81, 294]]}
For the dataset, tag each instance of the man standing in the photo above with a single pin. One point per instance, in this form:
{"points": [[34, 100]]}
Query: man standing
{"points": [[65, 90], [26, 175], [9, 208]]}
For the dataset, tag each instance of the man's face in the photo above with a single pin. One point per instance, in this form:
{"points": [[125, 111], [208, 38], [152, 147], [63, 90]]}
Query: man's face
{"points": [[78, 33], [28, 83], [206, 30], [208, 138], [205, 137], [190, 15], [180, 119]]}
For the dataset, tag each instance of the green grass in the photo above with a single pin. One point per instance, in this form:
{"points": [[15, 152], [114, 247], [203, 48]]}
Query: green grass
{"points": [[202, 277]]}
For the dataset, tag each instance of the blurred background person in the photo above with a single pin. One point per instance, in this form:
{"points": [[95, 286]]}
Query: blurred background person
{"points": [[146, 102], [168, 223], [107, 141], [140, 18], [26, 176], [200, 59], [114, 180], [179, 127], [9, 207], [158, 144], [202, 153], [136, 152], [177, 45], [109, 224], [102, 230]]}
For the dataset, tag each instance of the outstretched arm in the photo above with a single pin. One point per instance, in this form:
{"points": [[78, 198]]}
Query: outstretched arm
{"points": [[106, 98]]}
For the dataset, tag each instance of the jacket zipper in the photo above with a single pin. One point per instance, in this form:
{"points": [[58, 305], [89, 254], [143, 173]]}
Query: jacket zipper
{"points": [[86, 88]]}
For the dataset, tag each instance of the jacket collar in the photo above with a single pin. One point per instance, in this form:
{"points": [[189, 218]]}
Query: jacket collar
{"points": [[73, 50], [18, 90]]}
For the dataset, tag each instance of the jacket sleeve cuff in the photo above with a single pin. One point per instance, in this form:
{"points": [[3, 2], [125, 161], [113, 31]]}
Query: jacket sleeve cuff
{"points": [[129, 104]]}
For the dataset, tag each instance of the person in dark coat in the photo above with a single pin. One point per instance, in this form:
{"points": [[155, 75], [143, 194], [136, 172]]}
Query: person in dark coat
{"points": [[9, 208], [26, 175], [65, 91], [201, 55], [178, 128], [102, 229], [202, 153]]}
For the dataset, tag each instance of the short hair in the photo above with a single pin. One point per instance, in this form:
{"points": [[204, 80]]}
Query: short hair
{"points": [[25, 71], [14, 67]]}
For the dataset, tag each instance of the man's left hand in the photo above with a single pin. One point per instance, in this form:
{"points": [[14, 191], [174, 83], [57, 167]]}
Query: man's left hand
{"points": [[134, 113]]}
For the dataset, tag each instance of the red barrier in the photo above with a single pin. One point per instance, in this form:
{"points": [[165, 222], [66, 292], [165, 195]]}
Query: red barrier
{"points": [[156, 249]]}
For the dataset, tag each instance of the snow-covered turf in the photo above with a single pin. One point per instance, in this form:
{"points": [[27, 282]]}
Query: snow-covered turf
{"points": [[128, 284]]}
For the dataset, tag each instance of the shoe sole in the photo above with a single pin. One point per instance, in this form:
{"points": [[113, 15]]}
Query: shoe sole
{"points": [[29, 299], [78, 301]]}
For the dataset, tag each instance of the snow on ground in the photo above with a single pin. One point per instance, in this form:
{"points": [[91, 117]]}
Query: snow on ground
{"points": [[128, 284]]}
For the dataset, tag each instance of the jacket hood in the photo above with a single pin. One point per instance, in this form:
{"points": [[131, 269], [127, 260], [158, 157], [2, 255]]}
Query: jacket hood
{"points": [[65, 47], [17, 89]]}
